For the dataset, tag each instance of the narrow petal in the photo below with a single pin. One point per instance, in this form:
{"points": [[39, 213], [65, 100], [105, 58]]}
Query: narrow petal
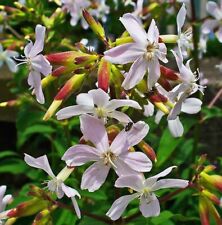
{"points": [[11, 65], [117, 103], [71, 111], [138, 161], [119, 206], [94, 177], [39, 40], [191, 105], [93, 129], [41, 64], [170, 183], [70, 192], [135, 74], [154, 73], [120, 116], [85, 99], [148, 109], [40, 163], [209, 25], [153, 32], [150, 207], [80, 154], [28, 48], [76, 207], [134, 182], [100, 97], [176, 127], [181, 16], [34, 80], [134, 28], [162, 52], [158, 116], [123, 54], [214, 10]]}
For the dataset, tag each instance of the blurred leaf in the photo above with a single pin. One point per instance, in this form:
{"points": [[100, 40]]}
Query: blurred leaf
{"points": [[210, 113]]}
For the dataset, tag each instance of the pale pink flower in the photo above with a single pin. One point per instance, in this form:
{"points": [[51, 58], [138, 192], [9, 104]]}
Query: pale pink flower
{"points": [[105, 156], [145, 191], [37, 63], [145, 52], [56, 184], [97, 103]]}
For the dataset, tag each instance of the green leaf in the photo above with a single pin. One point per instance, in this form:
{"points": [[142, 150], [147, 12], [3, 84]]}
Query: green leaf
{"points": [[210, 113]]}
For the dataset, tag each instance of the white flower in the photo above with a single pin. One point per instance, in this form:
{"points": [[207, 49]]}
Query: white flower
{"points": [[6, 56], [210, 25], [144, 52], [97, 102], [101, 11], [37, 63], [56, 184], [145, 191], [106, 156]]}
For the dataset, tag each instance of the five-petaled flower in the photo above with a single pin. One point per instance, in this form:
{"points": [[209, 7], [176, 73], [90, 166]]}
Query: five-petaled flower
{"points": [[145, 52], [145, 191], [105, 156]]}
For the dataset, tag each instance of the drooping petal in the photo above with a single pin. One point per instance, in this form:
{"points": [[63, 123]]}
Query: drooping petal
{"points": [[159, 116], [100, 97], [154, 73], [219, 34], [85, 99], [134, 28], [148, 109], [150, 207], [39, 41], [176, 127], [134, 182], [11, 65], [135, 74], [120, 205], [120, 116], [162, 52], [117, 103], [40, 163], [94, 177], [214, 10], [41, 64], [93, 129], [80, 154], [76, 207], [191, 105], [71, 111], [138, 161], [170, 183], [209, 25], [70, 192], [34, 80], [123, 54], [10, 53], [181, 16]]}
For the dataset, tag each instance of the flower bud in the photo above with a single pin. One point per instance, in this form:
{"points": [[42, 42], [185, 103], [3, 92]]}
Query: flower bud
{"points": [[44, 217], [211, 196], [148, 150], [203, 210], [104, 75], [213, 180], [169, 38], [169, 73]]}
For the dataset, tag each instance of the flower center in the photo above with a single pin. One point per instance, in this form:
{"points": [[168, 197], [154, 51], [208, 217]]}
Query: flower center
{"points": [[108, 158], [150, 51], [54, 184], [100, 112]]}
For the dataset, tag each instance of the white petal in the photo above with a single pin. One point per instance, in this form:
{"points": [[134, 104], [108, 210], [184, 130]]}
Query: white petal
{"points": [[138, 161], [117, 103], [170, 183], [40, 163], [41, 64], [219, 34], [85, 99], [120, 143], [191, 105], [154, 73], [120, 116], [153, 32], [214, 10], [150, 207], [209, 25], [11, 65], [181, 16], [39, 40], [70, 192], [123, 54], [158, 116], [93, 129], [162, 52], [135, 28], [80, 154], [34, 80], [134, 182], [119, 206], [94, 177], [100, 97], [71, 111], [28, 48], [76, 207], [148, 109], [176, 127], [135, 74]]}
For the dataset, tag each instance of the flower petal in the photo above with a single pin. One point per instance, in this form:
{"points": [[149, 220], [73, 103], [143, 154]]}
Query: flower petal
{"points": [[70, 192], [40, 163], [122, 169], [120, 205], [181, 16], [214, 10], [154, 73], [191, 105], [123, 54], [209, 25], [134, 182], [134, 28], [153, 32], [148, 109], [219, 34], [176, 127], [135, 74], [94, 177], [41, 64], [137, 161], [150, 207], [76, 207], [11, 65], [170, 183], [71, 111], [94, 130], [80, 154], [100, 97], [120, 116], [117, 103], [85, 99]]}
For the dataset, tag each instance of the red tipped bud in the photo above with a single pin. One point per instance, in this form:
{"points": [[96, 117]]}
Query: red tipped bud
{"points": [[104, 75], [148, 150], [213, 180], [169, 73], [211, 197], [203, 210], [112, 132]]}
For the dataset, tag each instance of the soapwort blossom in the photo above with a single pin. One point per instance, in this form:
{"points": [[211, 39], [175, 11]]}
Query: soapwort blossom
{"points": [[106, 156], [145, 52], [36, 62], [56, 184], [145, 191], [97, 102]]}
